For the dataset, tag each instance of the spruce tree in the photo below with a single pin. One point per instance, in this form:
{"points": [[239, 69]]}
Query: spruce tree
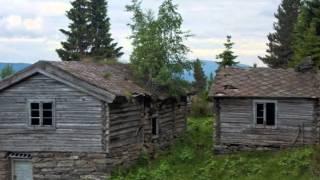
{"points": [[7, 71], [227, 57], [78, 40], [199, 76], [280, 52], [89, 35], [307, 35], [210, 81], [103, 46]]}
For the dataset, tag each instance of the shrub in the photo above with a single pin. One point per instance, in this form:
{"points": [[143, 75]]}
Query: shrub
{"points": [[162, 172], [142, 174], [295, 163], [186, 155], [143, 159], [200, 106]]}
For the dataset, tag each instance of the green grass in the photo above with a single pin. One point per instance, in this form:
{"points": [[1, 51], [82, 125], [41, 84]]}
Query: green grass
{"points": [[191, 158]]}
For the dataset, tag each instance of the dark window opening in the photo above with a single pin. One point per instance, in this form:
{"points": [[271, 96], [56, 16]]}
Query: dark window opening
{"points": [[266, 114], [47, 106], [47, 121], [260, 113], [35, 121], [41, 114], [35, 113], [155, 126], [35, 106], [271, 114]]}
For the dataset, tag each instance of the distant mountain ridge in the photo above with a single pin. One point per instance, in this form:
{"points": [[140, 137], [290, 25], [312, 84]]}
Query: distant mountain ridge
{"points": [[16, 66], [207, 65]]}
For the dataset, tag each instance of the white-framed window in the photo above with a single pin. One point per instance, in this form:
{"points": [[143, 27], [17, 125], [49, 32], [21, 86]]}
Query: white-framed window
{"points": [[265, 113], [41, 113]]}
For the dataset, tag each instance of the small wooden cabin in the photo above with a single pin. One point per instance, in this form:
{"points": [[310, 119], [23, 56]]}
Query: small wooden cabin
{"points": [[78, 120], [263, 108]]}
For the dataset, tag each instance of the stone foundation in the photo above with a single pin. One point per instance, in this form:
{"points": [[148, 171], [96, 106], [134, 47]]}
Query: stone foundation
{"points": [[62, 166], [5, 170], [229, 149]]}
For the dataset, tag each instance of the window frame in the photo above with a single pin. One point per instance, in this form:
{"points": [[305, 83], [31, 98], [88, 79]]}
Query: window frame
{"points": [[41, 102], [264, 125]]}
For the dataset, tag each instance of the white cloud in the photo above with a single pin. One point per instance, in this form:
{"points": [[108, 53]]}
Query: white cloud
{"points": [[11, 22], [53, 8], [35, 24], [30, 28], [15, 22], [15, 40]]}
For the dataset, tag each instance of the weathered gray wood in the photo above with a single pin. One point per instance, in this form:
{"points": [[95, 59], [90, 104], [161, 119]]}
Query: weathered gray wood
{"points": [[59, 75], [78, 118], [235, 123]]}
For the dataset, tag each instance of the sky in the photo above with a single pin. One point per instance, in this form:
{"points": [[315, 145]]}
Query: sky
{"points": [[29, 29]]}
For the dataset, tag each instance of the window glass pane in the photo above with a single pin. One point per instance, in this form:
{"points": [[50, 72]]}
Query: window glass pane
{"points": [[47, 106], [271, 114], [47, 121], [47, 114], [259, 120], [34, 105], [260, 110], [154, 126], [35, 121], [35, 114]]}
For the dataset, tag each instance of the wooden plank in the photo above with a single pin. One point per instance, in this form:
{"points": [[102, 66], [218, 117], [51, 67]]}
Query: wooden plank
{"points": [[235, 122], [78, 118]]}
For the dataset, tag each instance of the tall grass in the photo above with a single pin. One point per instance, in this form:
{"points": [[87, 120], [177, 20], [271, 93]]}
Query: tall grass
{"points": [[191, 158]]}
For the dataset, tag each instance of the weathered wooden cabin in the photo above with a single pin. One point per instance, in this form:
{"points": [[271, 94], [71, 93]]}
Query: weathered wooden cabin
{"points": [[262, 108], [78, 120]]}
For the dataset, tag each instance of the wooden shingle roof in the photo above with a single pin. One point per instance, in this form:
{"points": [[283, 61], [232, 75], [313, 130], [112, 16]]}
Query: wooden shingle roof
{"points": [[115, 78], [264, 82], [105, 82]]}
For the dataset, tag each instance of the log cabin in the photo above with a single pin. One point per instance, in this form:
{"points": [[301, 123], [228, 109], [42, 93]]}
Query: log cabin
{"points": [[80, 120], [263, 108]]}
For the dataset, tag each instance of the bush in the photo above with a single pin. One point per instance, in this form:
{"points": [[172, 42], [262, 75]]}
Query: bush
{"points": [[200, 106], [295, 163], [142, 174], [186, 155], [164, 171]]}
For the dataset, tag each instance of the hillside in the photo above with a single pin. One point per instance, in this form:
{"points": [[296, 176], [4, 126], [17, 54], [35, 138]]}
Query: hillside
{"points": [[15, 66], [208, 67], [192, 158]]}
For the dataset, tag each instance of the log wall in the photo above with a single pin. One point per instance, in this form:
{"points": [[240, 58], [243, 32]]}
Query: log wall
{"points": [[78, 118], [131, 128], [172, 117], [126, 132], [83, 127], [295, 123]]}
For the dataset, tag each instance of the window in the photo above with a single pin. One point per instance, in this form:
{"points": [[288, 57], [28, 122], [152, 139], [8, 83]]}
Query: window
{"points": [[155, 127], [265, 113], [41, 113]]}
